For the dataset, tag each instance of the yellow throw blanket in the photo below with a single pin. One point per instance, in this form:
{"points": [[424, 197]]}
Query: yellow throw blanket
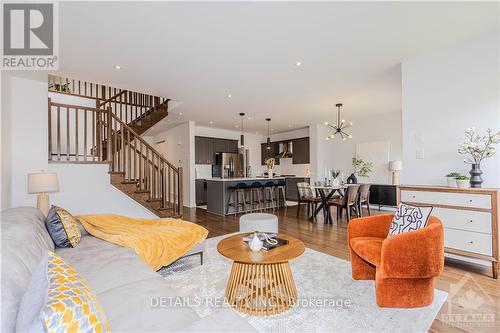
{"points": [[159, 242]]}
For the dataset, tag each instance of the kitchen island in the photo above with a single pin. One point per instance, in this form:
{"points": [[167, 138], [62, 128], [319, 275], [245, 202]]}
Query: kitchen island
{"points": [[218, 191]]}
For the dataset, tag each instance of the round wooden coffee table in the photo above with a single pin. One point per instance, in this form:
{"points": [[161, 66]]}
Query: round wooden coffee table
{"points": [[261, 283]]}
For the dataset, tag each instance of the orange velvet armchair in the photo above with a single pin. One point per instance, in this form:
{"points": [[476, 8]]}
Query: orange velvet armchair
{"points": [[403, 266]]}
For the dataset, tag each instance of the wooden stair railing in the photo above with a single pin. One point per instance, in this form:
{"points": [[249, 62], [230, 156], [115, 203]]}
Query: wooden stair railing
{"points": [[89, 135], [142, 165], [131, 107]]}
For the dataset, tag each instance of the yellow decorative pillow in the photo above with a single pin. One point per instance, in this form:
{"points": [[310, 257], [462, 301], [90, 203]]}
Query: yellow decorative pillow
{"points": [[71, 306], [63, 227]]}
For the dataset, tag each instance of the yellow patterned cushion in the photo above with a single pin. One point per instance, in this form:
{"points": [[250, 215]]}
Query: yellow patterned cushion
{"points": [[71, 306], [63, 227]]}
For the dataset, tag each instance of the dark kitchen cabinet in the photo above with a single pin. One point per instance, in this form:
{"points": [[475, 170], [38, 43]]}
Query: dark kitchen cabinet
{"points": [[200, 147], [210, 151], [201, 192], [205, 148], [231, 146], [268, 153], [300, 151]]}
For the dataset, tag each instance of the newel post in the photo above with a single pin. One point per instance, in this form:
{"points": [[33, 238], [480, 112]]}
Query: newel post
{"points": [[109, 134], [180, 194], [98, 130]]}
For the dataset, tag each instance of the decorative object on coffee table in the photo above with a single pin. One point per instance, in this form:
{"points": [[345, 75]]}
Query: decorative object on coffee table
{"points": [[260, 283], [478, 148]]}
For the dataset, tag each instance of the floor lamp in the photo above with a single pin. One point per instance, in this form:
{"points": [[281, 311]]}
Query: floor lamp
{"points": [[43, 183]]}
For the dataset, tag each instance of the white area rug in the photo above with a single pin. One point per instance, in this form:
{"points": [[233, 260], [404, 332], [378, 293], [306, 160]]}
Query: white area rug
{"points": [[318, 277]]}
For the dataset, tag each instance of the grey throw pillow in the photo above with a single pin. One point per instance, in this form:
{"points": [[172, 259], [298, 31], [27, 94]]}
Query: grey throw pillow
{"points": [[29, 318], [409, 218]]}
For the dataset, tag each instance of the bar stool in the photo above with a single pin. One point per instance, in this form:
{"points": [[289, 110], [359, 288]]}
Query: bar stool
{"points": [[281, 187], [270, 199], [235, 192], [255, 196]]}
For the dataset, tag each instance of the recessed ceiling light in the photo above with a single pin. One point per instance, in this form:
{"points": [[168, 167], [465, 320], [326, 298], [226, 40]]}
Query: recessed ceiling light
{"points": [[249, 118], [180, 113], [298, 64], [118, 67], [289, 126], [229, 96], [236, 126], [211, 122]]}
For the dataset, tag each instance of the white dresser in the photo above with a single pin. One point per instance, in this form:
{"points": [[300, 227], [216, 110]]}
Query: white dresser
{"points": [[470, 218]]}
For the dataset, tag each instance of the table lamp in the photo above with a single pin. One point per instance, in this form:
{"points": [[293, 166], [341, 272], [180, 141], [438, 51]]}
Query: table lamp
{"points": [[395, 167], [43, 183]]}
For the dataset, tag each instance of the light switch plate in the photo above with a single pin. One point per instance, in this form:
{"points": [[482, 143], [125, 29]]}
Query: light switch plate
{"points": [[419, 138], [420, 154]]}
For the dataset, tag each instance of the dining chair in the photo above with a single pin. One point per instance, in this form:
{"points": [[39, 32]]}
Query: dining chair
{"points": [[305, 195], [348, 202], [364, 198]]}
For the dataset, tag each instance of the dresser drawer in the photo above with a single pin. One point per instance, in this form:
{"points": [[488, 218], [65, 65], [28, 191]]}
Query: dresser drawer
{"points": [[468, 241], [446, 198], [464, 219]]}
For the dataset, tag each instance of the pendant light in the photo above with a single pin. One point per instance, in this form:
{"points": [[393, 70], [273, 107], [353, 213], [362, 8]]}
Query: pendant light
{"points": [[268, 138], [340, 126], [242, 137]]}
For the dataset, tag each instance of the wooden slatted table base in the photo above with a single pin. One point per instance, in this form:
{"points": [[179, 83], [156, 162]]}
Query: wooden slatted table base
{"points": [[261, 289]]}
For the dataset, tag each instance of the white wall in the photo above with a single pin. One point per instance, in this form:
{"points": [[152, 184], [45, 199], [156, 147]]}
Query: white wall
{"points": [[444, 93], [179, 150], [85, 189], [6, 138], [338, 154], [25, 134]]}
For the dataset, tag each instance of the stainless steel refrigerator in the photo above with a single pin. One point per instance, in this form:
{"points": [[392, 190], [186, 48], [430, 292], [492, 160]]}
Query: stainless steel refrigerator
{"points": [[228, 165]]}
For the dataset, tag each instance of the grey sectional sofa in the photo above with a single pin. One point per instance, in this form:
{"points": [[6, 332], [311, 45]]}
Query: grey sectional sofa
{"points": [[124, 284]]}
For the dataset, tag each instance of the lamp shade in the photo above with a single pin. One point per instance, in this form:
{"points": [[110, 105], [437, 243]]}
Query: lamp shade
{"points": [[395, 165], [43, 182]]}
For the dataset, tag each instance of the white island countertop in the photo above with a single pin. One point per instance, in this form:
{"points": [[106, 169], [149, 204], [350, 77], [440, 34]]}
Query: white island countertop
{"points": [[245, 179]]}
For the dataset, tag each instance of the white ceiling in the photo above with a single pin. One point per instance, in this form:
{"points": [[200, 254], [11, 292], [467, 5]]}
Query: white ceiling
{"points": [[198, 53]]}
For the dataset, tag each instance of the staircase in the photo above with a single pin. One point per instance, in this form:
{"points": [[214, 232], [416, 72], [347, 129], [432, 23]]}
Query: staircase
{"points": [[110, 133]]}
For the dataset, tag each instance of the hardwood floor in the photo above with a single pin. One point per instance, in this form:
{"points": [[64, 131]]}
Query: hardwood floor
{"points": [[473, 303]]}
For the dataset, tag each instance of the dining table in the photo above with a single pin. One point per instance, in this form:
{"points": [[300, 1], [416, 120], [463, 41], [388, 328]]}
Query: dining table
{"points": [[326, 192]]}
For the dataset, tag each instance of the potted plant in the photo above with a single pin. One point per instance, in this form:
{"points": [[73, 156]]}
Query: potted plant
{"points": [[450, 179], [462, 181], [361, 168], [477, 148]]}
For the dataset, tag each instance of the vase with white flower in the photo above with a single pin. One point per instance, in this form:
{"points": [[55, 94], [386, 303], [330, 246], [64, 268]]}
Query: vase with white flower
{"points": [[270, 166], [335, 177], [477, 148]]}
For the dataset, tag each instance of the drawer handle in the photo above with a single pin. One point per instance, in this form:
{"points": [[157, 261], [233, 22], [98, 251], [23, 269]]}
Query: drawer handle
{"points": [[470, 221], [471, 242], [413, 196], [470, 200]]}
